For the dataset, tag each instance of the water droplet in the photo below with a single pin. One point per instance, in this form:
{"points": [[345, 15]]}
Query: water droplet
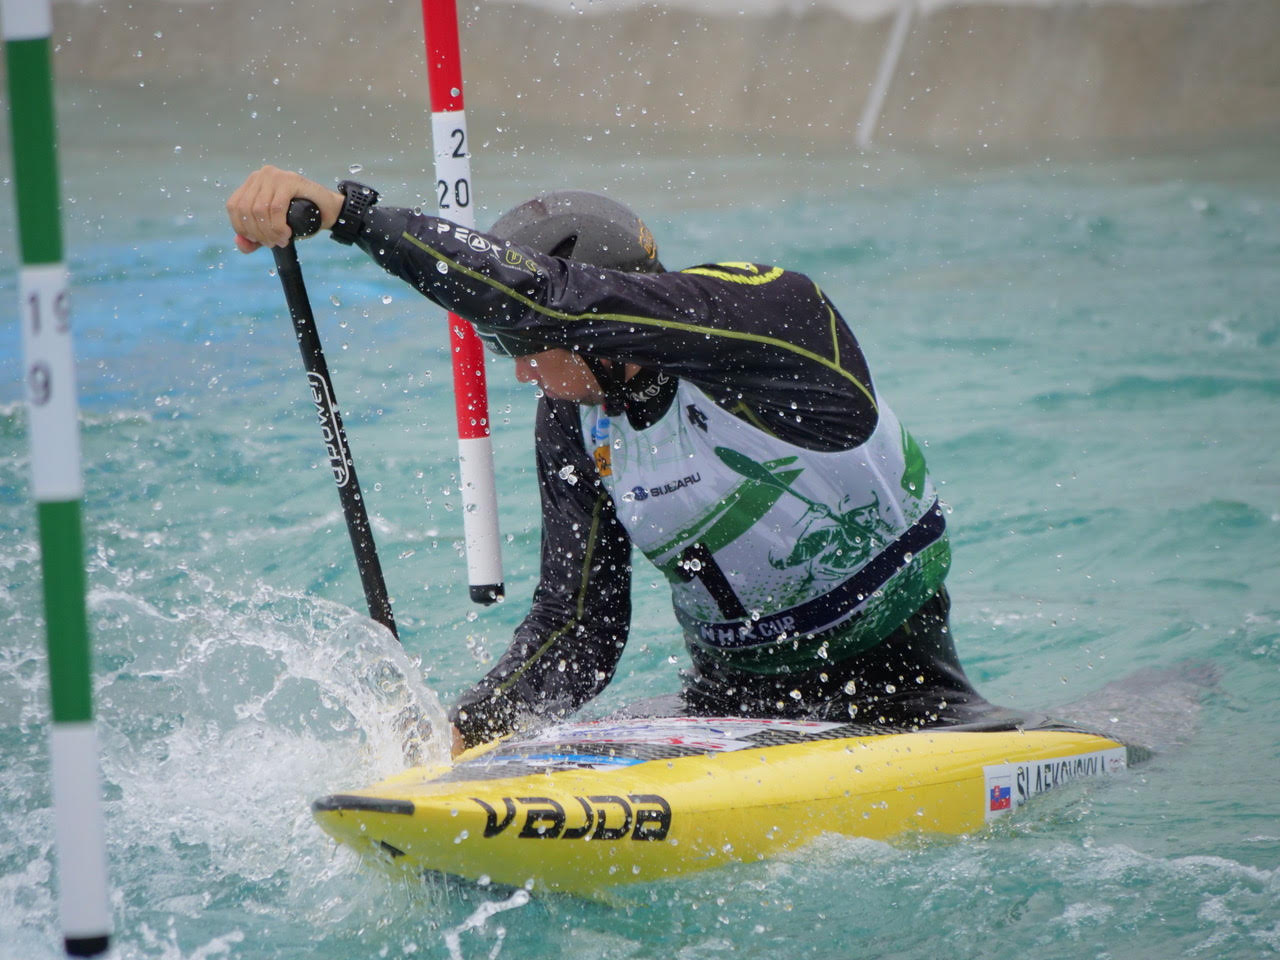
{"points": [[441, 267], [386, 298], [355, 168], [333, 298]]}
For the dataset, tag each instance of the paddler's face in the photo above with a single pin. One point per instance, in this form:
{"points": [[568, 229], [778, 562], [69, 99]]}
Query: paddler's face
{"points": [[561, 374]]}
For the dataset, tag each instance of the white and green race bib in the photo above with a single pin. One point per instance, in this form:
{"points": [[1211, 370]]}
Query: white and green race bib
{"points": [[770, 547]]}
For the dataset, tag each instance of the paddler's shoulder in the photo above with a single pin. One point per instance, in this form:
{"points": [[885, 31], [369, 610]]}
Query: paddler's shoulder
{"points": [[743, 274]]}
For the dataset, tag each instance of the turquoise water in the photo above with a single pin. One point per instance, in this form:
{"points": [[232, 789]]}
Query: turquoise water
{"points": [[1090, 348]]}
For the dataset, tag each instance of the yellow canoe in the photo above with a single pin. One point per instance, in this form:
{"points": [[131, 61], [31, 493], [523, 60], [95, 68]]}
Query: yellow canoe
{"points": [[582, 806]]}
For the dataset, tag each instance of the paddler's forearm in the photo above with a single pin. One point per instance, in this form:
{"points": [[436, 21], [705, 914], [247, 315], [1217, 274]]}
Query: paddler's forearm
{"points": [[459, 269], [545, 673], [566, 649], [658, 321], [769, 342]]}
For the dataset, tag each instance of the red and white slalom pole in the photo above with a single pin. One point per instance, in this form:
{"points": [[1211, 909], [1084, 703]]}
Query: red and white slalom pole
{"points": [[454, 195]]}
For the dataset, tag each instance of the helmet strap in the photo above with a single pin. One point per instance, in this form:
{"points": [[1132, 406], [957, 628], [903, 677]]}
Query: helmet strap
{"points": [[612, 380]]}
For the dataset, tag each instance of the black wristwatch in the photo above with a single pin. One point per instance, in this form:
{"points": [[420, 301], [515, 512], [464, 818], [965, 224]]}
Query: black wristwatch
{"points": [[359, 200]]}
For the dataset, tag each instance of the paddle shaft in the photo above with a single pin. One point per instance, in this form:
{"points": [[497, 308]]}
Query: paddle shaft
{"points": [[304, 222]]}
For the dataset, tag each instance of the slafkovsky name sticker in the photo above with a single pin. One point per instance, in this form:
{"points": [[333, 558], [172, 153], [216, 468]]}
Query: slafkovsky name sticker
{"points": [[1010, 785]]}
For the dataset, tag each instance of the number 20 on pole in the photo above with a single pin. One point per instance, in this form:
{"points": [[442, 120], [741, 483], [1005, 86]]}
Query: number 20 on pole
{"points": [[453, 167]]}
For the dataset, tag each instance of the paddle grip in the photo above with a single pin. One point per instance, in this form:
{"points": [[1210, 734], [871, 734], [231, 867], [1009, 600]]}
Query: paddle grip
{"points": [[303, 218]]}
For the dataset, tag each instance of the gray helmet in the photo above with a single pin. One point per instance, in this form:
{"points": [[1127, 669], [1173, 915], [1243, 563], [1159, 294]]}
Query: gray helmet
{"points": [[576, 225], [582, 226]]}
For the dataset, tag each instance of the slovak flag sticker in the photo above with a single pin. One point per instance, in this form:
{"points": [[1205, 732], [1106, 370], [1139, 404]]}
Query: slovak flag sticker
{"points": [[998, 780], [1001, 798]]}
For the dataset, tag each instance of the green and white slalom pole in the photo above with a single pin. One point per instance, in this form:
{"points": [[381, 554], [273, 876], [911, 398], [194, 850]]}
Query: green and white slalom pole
{"points": [[56, 479]]}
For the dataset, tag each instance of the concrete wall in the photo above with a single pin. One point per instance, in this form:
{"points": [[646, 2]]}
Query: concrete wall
{"points": [[970, 74]]}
